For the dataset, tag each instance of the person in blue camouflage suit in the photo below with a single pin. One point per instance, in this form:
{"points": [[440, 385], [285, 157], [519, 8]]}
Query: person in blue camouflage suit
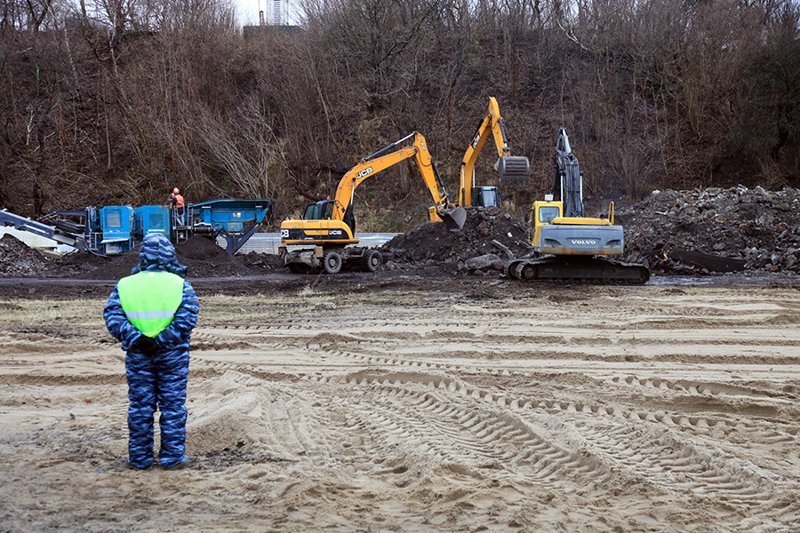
{"points": [[156, 365]]}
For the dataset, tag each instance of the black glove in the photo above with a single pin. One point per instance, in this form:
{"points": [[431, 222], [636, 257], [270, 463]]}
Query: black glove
{"points": [[146, 345]]}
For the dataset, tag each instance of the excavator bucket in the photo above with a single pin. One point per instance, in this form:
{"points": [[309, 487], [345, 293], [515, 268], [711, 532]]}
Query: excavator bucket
{"points": [[454, 218], [513, 169]]}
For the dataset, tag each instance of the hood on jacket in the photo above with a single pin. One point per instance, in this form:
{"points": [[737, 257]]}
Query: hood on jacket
{"points": [[158, 255]]}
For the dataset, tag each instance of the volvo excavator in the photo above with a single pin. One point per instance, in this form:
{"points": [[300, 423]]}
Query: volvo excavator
{"points": [[329, 225], [568, 245], [512, 169]]}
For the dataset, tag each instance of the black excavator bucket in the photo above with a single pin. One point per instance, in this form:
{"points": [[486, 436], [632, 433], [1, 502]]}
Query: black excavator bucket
{"points": [[454, 218], [513, 169]]}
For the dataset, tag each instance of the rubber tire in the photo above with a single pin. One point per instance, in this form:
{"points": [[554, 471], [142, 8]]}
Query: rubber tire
{"points": [[371, 261], [332, 262]]}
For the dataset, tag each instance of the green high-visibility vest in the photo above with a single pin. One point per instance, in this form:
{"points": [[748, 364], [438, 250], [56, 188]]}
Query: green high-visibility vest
{"points": [[150, 300]]}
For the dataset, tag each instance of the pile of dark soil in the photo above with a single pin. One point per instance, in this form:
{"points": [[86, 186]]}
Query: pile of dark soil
{"points": [[205, 259], [199, 248], [84, 265], [759, 228], [474, 248], [201, 255], [261, 263], [18, 260]]}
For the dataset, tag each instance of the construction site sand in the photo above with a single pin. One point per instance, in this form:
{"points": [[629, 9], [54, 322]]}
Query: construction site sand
{"points": [[500, 407]]}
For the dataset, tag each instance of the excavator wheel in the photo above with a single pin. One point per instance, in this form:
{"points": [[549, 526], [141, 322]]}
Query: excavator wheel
{"points": [[332, 262], [371, 261], [513, 169]]}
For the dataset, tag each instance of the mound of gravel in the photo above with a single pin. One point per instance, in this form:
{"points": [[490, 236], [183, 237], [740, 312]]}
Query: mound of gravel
{"points": [[17, 259], [474, 248], [758, 227]]}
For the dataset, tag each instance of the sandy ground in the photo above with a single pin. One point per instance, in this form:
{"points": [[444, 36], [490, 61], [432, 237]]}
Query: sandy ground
{"points": [[498, 407]]}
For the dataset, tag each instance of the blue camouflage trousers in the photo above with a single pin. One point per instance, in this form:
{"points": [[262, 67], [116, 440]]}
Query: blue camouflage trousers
{"points": [[157, 382]]}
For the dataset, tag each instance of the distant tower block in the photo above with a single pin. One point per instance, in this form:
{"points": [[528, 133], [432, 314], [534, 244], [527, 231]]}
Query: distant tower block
{"points": [[280, 12], [273, 16]]}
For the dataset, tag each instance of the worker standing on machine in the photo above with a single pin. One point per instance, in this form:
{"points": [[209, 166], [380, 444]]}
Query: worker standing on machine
{"points": [[153, 312], [177, 205]]}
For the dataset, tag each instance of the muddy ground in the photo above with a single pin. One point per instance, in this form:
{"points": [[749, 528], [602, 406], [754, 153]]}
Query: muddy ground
{"points": [[671, 232], [419, 403]]}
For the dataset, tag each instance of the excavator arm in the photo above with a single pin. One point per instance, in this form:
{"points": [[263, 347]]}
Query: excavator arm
{"points": [[332, 223], [386, 158], [568, 178], [511, 168]]}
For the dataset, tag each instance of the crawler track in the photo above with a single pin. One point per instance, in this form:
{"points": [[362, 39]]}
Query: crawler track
{"points": [[577, 269]]}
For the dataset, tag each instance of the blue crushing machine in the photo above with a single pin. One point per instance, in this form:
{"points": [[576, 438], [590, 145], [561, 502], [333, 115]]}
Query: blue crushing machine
{"points": [[115, 229], [152, 219], [235, 220]]}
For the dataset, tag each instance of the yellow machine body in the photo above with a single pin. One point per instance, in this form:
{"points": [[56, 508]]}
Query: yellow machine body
{"points": [[552, 233], [331, 222]]}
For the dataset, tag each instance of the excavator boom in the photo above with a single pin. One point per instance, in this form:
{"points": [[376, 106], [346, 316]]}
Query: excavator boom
{"points": [[329, 225], [512, 169], [568, 180], [386, 158]]}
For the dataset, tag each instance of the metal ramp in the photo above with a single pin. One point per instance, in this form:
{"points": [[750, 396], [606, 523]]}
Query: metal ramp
{"points": [[21, 223]]}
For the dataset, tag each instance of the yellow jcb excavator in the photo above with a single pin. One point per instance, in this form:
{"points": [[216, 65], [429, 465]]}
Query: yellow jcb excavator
{"points": [[329, 225], [510, 168]]}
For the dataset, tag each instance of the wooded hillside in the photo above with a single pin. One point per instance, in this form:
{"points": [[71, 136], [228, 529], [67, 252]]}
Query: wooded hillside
{"points": [[117, 100]]}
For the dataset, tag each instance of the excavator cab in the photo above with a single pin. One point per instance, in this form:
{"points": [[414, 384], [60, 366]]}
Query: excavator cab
{"points": [[542, 213], [485, 196], [321, 210]]}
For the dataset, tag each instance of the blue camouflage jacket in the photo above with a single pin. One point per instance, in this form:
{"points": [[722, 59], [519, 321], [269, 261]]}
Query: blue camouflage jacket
{"points": [[157, 254]]}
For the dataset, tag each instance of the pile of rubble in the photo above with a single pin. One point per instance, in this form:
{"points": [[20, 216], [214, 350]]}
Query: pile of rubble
{"points": [[489, 235], [671, 232], [694, 231], [17, 260]]}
